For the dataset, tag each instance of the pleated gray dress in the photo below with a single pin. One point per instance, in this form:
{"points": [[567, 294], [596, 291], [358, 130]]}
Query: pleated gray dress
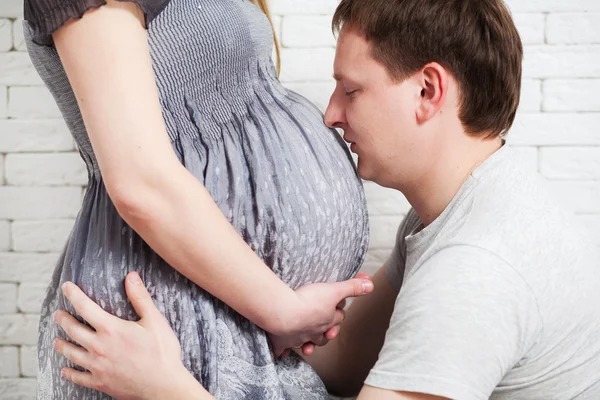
{"points": [[285, 182]]}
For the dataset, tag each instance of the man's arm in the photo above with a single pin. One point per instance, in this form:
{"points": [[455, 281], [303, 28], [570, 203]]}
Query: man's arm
{"points": [[373, 393], [345, 362]]}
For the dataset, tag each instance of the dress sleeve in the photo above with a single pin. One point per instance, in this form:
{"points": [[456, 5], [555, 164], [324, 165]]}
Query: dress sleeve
{"points": [[46, 16]]}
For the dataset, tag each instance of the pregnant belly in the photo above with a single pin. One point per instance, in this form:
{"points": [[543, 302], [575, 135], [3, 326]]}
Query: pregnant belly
{"points": [[288, 186]]}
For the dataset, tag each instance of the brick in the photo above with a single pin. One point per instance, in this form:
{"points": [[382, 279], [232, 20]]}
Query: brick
{"points": [[384, 201], [307, 64], [577, 61], [45, 169], [8, 298], [39, 202], [11, 8], [577, 163], [383, 231], [547, 129], [3, 101], [31, 296], [317, 92], [16, 69], [40, 236], [591, 223], [29, 102], [29, 361], [5, 34], [9, 362], [571, 95], [531, 96], [23, 267], [579, 197], [573, 28], [4, 235], [35, 135], [527, 155], [531, 27], [288, 7], [17, 329], [307, 31], [2, 180], [17, 389], [18, 37], [518, 6]]}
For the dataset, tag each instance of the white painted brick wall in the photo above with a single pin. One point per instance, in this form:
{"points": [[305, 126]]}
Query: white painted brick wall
{"points": [[6, 39], [573, 28], [557, 132], [571, 95]]}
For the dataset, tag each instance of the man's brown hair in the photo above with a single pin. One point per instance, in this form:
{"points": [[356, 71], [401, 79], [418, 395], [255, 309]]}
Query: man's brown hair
{"points": [[476, 40]]}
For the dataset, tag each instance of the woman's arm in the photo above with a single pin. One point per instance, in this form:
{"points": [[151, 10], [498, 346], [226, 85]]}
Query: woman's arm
{"points": [[345, 362], [106, 57]]}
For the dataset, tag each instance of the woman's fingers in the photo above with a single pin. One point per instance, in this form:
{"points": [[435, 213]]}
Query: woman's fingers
{"points": [[79, 378], [77, 355], [363, 275], [308, 349], [332, 333], [77, 331], [338, 317], [85, 307]]}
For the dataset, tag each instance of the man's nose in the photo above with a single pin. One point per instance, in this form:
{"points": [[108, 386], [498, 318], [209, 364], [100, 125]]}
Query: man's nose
{"points": [[334, 114]]}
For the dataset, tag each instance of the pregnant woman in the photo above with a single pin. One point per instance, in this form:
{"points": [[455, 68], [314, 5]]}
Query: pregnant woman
{"points": [[224, 190]]}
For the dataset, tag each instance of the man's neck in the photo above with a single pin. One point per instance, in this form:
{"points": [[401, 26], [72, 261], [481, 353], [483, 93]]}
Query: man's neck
{"points": [[431, 194]]}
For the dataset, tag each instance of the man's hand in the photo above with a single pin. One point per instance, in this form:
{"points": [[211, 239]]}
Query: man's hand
{"points": [[125, 359], [316, 317]]}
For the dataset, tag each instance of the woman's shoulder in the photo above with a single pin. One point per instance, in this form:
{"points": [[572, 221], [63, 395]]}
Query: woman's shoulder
{"points": [[46, 16]]}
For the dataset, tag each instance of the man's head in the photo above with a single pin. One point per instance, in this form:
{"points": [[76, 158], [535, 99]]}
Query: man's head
{"points": [[413, 75]]}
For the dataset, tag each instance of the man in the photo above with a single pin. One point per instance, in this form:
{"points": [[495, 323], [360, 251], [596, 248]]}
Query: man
{"points": [[490, 292]]}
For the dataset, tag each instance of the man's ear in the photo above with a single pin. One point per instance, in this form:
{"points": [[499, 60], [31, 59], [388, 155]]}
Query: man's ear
{"points": [[433, 83]]}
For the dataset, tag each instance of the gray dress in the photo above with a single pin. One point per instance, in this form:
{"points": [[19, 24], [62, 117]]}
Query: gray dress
{"points": [[285, 182]]}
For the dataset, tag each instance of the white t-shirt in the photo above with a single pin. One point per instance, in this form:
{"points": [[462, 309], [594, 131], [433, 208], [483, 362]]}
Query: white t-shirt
{"points": [[499, 297]]}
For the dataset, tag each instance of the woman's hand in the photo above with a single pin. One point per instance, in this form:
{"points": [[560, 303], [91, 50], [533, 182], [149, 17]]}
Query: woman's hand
{"points": [[125, 359], [316, 317]]}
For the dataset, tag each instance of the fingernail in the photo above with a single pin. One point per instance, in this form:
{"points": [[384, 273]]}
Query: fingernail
{"points": [[62, 373], [367, 286], [55, 343], [55, 316], [135, 279], [64, 287]]}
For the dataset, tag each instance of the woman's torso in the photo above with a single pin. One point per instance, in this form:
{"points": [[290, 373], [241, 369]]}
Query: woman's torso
{"points": [[284, 181]]}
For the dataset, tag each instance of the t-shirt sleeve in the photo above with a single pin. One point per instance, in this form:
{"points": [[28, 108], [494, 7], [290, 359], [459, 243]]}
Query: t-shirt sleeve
{"points": [[394, 266], [462, 320], [46, 16]]}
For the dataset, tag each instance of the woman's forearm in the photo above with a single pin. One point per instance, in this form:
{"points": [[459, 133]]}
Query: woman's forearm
{"points": [[176, 216], [107, 59]]}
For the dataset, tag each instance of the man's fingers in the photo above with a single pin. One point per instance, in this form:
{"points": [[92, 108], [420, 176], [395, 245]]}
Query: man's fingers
{"points": [[79, 378], [341, 305], [139, 296], [75, 354], [84, 306], [77, 331]]}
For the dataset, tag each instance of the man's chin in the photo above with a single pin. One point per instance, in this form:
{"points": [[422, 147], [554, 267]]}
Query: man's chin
{"points": [[364, 171]]}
